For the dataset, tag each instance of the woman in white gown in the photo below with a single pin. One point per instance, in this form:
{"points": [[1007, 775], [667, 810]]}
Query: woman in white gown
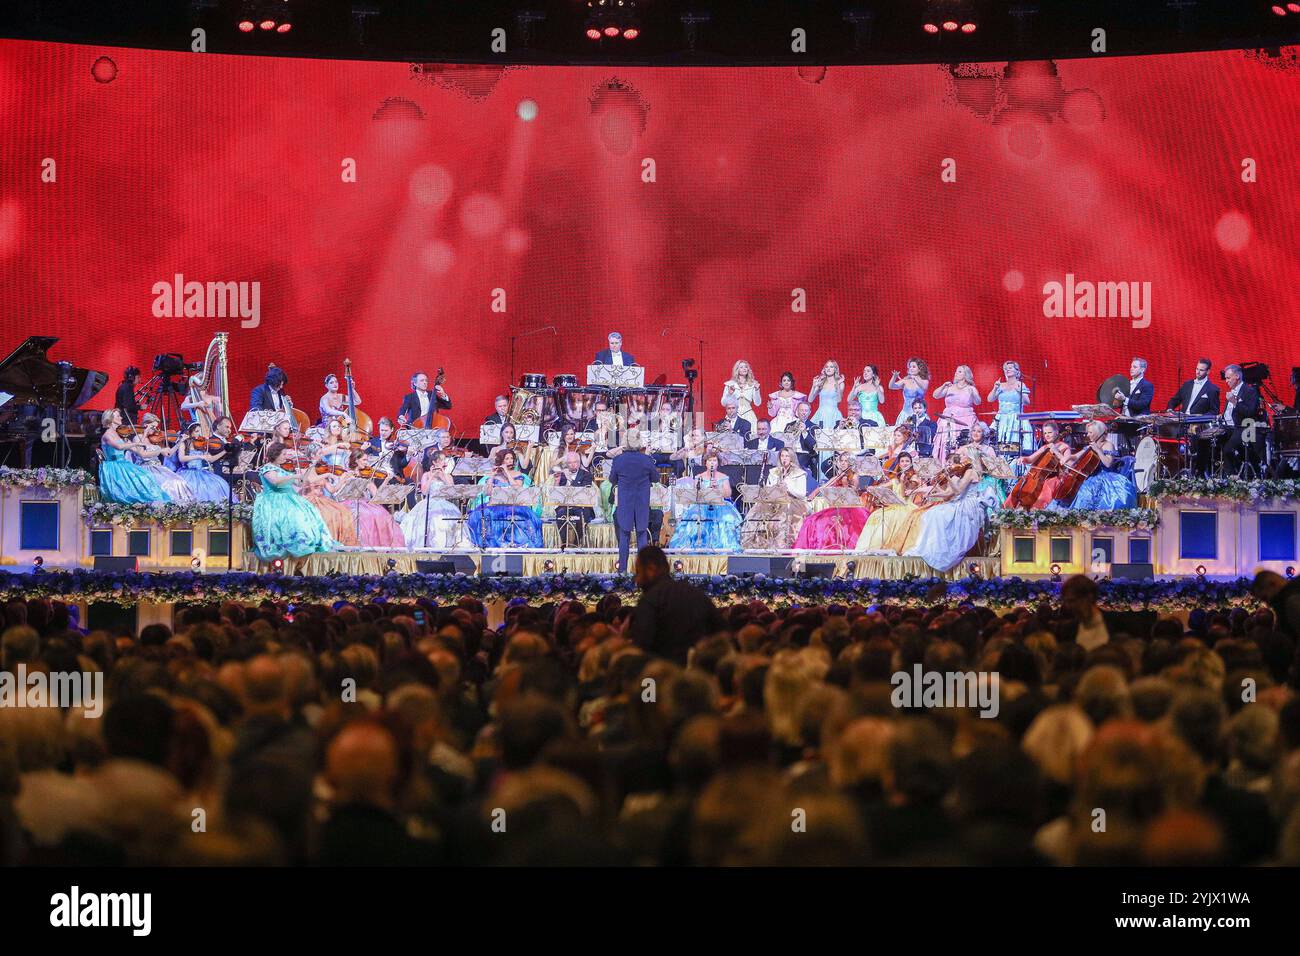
{"points": [[434, 522], [744, 388], [950, 529]]}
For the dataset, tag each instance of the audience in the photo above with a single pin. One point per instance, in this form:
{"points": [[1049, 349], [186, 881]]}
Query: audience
{"points": [[674, 732]]}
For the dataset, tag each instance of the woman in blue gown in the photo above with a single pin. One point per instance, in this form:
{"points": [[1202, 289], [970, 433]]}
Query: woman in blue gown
{"points": [[709, 527], [504, 526], [196, 468], [122, 481], [914, 385], [1108, 488], [1012, 396], [285, 524], [827, 389]]}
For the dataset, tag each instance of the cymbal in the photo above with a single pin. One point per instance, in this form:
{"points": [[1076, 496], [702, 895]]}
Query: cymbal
{"points": [[1106, 391]]}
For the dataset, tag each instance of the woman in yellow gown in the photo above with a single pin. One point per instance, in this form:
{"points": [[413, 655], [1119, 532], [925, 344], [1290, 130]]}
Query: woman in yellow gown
{"points": [[885, 524]]}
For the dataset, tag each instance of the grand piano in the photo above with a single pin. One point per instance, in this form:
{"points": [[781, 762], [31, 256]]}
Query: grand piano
{"points": [[34, 390]]}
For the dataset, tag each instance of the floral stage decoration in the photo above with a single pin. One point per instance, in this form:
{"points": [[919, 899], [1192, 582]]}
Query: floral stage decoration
{"points": [[1034, 518], [52, 478], [131, 587], [106, 512], [1235, 489]]}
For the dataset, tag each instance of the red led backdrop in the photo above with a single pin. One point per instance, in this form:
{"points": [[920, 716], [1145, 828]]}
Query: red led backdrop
{"points": [[765, 181]]}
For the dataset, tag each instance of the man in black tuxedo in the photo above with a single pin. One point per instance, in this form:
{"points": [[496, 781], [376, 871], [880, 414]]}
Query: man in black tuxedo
{"points": [[1137, 400], [223, 429], [571, 522], [269, 396], [1241, 413], [614, 355], [923, 428], [125, 401], [1197, 396], [731, 422], [805, 443], [632, 474], [420, 402], [498, 417], [764, 440]]}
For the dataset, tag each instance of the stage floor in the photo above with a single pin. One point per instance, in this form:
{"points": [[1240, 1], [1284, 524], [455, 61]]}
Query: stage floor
{"points": [[842, 564]]}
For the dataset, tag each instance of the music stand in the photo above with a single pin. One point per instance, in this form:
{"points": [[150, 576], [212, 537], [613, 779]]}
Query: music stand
{"points": [[689, 496], [729, 442], [501, 496], [838, 498], [570, 498], [837, 440], [263, 421], [616, 376], [883, 495], [457, 493]]}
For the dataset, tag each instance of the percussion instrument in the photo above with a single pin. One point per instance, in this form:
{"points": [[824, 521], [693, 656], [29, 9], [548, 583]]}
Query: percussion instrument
{"points": [[1106, 391], [565, 381], [1286, 435], [532, 381], [1157, 458]]}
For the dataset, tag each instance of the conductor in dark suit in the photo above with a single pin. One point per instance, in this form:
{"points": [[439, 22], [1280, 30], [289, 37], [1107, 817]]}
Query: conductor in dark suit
{"points": [[614, 355], [632, 474], [420, 402], [1198, 396], [269, 396], [1241, 413]]}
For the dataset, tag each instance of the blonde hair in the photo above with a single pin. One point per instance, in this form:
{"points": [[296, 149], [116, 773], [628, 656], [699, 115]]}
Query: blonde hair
{"points": [[970, 376], [820, 379], [735, 377]]}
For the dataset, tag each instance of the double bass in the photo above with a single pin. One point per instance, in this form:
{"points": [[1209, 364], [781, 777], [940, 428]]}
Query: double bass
{"points": [[361, 423], [436, 418]]}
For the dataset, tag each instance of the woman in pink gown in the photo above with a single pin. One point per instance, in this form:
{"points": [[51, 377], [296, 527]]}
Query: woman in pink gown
{"points": [[829, 528], [960, 396], [376, 526]]}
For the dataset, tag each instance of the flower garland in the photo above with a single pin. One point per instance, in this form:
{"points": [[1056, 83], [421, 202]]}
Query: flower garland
{"points": [[1034, 518], [131, 587], [1236, 489], [52, 478], [109, 512]]}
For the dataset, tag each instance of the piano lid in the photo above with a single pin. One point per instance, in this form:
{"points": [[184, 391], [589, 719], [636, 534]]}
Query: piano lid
{"points": [[33, 378]]}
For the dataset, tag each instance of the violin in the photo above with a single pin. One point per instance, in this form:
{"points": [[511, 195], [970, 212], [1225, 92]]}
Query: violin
{"points": [[324, 469], [208, 444], [950, 472], [581, 447], [377, 474]]}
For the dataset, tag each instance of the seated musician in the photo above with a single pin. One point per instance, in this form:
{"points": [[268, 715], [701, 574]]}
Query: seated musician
{"points": [[732, 422], [923, 428], [887, 526], [420, 402], [334, 404], [388, 452], [801, 435], [223, 429], [614, 355], [501, 404], [836, 465], [790, 473], [764, 440], [523, 450], [199, 402], [980, 444], [710, 527], [586, 451], [1108, 488], [434, 522], [504, 526], [571, 522], [1044, 466], [690, 457]]}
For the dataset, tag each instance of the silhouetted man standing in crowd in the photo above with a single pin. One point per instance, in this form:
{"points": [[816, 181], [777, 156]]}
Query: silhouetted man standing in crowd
{"points": [[671, 615]]}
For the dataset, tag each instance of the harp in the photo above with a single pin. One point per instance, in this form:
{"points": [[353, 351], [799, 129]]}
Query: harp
{"points": [[212, 381]]}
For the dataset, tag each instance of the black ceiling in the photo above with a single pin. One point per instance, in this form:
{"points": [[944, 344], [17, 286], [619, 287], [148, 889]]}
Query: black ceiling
{"points": [[759, 32]]}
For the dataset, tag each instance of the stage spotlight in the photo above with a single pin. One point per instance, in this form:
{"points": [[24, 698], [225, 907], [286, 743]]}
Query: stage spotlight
{"points": [[1279, 10], [1290, 571], [930, 27], [677, 567], [1200, 570], [968, 28], [548, 566], [948, 16], [196, 563], [950, 25], [37, 563], [611, 31], [974, 569], [277, 566], [593, 33], [526, 110], [284, 28], [631, 33], [267, 25], [247, 26]]}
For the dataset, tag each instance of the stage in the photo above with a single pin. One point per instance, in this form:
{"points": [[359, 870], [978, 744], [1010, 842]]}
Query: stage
{"points": [[847, 565]]}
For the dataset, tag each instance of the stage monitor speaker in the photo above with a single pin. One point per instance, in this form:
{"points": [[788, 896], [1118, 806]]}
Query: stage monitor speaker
{"points": [[1132, 572], [818, 571], [502, 565], [108, 563], [759, 564], [450, 564]]}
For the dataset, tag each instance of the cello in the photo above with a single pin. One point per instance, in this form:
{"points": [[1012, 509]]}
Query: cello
{"points": [[1043, 466], [1074, 474]]}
